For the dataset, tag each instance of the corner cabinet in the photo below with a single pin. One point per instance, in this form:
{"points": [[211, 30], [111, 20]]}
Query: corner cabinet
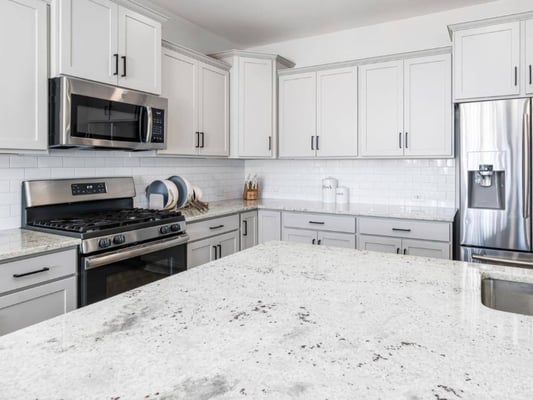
{"points": [[197, 89], [268, 225], [248, 229], [124, 50], [253, 126], [318, 113], [24, 80], [405, 108]]}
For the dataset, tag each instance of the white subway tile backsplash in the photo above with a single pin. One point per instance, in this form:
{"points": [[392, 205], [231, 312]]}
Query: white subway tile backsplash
{"points": [[401, 182]]}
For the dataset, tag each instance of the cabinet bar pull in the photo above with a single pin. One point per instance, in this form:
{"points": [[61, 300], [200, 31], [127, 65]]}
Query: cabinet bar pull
{"points": [[406, 140], [203, 140], [31, 273], [245, 233], [398, 250], [116, 64], [215, 248], [400, 140], [216, 227], [530, 75], [312, 142], [313, 241], [269, 143], [197, 140], [317, 147], [219, 250], [316, 222], [515, 76], [124, 66], [404, 251], [319, 242], [401, 229]]}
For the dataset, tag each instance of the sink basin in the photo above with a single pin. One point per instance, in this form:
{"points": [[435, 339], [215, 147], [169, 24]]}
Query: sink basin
{"points": [[515, 297]]}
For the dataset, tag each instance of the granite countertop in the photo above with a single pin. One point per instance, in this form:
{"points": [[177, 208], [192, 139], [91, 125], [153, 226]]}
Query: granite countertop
{"points": [[280, 321], [219, 208], [21, 242]]}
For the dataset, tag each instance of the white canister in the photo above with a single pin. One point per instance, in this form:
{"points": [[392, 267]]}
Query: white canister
{"points": [[342, 195], [329, 185]]}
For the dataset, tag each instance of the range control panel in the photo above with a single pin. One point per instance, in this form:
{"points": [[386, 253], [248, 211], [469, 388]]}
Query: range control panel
{"points": [[88, 188]]}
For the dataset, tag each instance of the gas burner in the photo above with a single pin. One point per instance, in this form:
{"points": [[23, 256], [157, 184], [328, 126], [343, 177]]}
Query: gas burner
{"points": [[101, 221]]}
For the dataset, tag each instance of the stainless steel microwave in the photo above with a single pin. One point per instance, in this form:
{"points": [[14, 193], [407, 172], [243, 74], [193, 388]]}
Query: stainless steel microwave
{"points": [[88, 114]]}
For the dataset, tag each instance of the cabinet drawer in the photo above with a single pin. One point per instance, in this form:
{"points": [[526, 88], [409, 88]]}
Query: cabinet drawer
{"points": [[405, 228], [211, 227], [319, 222], [44, 268]]}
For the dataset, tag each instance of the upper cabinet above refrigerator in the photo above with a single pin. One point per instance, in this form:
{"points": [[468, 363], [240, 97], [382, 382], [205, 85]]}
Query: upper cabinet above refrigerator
{"points": [[493, 58], [105, 42]]}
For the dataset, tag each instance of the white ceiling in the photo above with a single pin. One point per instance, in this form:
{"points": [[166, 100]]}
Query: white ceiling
{"points": [[254, 22]]}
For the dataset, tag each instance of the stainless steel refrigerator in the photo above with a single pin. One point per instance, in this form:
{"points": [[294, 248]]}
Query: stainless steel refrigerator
{"points": [[495, 185]]}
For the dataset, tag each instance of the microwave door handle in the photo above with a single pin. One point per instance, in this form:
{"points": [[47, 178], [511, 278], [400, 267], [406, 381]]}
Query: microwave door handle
{"points": [[149, 125], [145, 138]]}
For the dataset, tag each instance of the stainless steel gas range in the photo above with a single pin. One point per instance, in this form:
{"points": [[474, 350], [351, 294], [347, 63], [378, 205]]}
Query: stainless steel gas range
{"points": [[122, 247]]}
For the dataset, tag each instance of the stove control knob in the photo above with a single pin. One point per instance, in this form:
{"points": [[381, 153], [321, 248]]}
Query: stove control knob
{"points": [[164, 230], [103, 243], [175, 227], [119, 239]]}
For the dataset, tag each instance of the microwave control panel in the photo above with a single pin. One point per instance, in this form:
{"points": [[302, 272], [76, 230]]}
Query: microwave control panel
{"points": [[158, 125]]}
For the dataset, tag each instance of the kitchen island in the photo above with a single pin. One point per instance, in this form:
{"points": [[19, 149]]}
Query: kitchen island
{"points": [[280, 321]]}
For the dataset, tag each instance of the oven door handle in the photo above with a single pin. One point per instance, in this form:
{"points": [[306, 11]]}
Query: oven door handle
{"points": [[146, 248]]}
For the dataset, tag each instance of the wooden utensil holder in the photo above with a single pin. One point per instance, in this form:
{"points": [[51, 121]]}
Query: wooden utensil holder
{"points": [[251, 194]]}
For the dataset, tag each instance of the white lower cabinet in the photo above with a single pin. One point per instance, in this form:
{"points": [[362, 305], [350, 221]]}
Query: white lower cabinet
{"points": [[409, 237], [248, 229], [268, 226], [36, 289], [299, 236], [319, 238]]}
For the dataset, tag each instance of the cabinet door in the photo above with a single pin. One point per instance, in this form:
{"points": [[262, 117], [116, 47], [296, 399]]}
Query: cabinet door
{"points": [[428, 106], [87, 41], [255, 108], [337, 112], [180, 87], [334, 239], [228, 243], [378, 243], [299, 236], [140, 44], [24, 80], [39, 303], [297, 115], [381, 109], [486, 61], [213, 110], [268, 226], [529, 56], [200, 252], [248, 230], [426, 249]]}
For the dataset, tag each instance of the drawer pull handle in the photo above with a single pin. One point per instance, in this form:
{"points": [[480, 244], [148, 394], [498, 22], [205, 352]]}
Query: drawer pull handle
{"points": [[31, 273], [316, 222], [216, 227], [401, 230]]}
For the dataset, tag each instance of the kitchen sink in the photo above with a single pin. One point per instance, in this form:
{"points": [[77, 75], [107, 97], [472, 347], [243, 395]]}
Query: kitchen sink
{"points": [[515, 297]]}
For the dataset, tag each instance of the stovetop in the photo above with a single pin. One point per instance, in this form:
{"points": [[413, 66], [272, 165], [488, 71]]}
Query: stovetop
{"points": [[108, 220]]}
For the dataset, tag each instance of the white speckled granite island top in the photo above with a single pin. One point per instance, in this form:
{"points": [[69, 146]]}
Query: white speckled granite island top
{"points": [[16, 243], [283, 321], [219, 208]]}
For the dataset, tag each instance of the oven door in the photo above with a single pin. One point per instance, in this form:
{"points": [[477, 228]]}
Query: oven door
{"points": [[107, 274]]}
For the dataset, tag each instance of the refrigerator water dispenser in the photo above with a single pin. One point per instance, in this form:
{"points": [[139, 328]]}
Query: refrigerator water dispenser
{"points": [[486, 188]]}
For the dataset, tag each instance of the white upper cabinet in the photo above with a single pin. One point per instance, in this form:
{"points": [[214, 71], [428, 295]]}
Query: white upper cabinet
{"points": [[213, 110], [487, 61], [428, 106], [337, 112], [140, 51], [23, 46], [180, 78], [297, 115], [198, 103], [104, 42], [381, 109], [529, 55]]}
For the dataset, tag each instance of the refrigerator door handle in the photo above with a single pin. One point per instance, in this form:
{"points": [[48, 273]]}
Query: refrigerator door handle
{"points": [[526, 164], [503, 261]]}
